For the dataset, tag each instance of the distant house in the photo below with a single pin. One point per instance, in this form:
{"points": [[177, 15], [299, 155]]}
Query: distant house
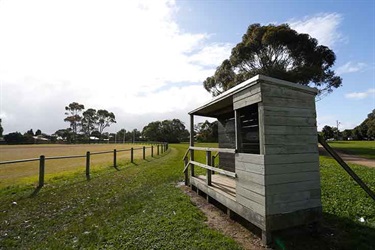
{"points": [[40, 138]]}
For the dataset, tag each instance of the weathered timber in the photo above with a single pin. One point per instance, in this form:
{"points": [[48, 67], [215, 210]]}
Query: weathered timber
{"points": [[272, 125], [220, 150], [246, 93], [292, 177], [279, 149], [248, 101], [294, 186], [218, 170], [290, 112], [289, 121]]}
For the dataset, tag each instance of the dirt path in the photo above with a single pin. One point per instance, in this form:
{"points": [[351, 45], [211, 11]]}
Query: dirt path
{"points": [[218, 220], [350, 158]]}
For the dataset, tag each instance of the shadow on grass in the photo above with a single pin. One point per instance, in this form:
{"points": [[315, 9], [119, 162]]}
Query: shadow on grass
{"points": [[36, 191], [333, 233]]}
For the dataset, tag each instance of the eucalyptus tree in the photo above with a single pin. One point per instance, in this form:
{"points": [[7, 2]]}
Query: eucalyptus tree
{"points": [[89, 120], [277, 51], [104, 119], [73, 112]]}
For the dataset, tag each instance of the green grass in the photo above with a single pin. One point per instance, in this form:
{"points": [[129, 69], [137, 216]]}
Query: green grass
{"points": [[364, 149], [139, 207], [344, 203]]}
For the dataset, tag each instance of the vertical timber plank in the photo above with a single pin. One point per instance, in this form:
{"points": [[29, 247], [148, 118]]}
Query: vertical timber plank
{"points": [[42, 161], [88, 164], [132, 155], [209, 173], [192, 144]]}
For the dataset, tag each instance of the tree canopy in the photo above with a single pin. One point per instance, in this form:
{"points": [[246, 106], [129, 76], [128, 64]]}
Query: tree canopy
{"points": [[90, 121], [1, 129], [366, 130], [166, 131], [73, 112], [104, 119], [276, 51], [207, 131]]}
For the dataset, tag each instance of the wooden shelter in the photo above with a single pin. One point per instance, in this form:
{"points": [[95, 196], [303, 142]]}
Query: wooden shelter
{"points": [[268, 171]]}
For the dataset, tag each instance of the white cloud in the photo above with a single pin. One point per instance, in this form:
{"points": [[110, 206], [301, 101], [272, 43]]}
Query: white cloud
{"points": [[323, 27], [212, 55], [361, 95], [350, 67], [128, 56]]}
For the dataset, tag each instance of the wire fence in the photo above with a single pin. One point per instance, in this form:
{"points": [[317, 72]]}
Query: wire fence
{"points": [[160, 149]]}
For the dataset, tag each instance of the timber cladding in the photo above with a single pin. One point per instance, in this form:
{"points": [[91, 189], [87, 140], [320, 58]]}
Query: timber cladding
{"points": [[282, 183], [272, 125]]}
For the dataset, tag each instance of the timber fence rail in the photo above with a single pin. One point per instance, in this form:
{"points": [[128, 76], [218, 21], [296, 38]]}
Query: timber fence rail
{"points": [[209, 165], [160, 149]]}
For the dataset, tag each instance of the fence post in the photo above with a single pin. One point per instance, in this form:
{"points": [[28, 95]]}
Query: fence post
{"points": [[186, 161], [42, 161], [131, 155], [158, 149], [152, 151], [213, 163], [144, 152], [88, 164], [208, 162], [114, 158]]}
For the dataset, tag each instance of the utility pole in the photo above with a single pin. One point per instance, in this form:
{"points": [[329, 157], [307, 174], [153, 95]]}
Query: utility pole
{"points": [[123, 141]]}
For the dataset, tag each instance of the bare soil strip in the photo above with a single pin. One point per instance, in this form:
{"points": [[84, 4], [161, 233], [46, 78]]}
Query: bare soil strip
{"points": [[219, 221], [350, 158]]}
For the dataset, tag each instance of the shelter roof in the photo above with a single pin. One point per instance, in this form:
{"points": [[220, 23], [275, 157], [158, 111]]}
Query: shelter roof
{"points": [[223, 103]]}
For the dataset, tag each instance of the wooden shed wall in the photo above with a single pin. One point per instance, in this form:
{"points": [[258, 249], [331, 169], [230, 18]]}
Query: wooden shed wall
{"points": [[250, 182], [292, 176]]}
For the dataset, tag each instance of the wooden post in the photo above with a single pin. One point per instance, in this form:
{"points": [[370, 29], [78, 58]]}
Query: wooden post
{"points": [[88, 164], [132, 155], [42, 161], [208, 162], [186, 161], [152, 151], [114, 158], [192, 144], [144, 152], [157, 152], [213, 163], [161, 149]]}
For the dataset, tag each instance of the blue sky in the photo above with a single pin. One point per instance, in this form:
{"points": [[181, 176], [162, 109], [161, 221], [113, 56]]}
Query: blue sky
{"points": [[146, 60], [354, 45]]}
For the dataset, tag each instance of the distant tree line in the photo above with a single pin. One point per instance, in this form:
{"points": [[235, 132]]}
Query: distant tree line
{"points": [[27, 137], [364, 131], [172, 131], [87, 126]]}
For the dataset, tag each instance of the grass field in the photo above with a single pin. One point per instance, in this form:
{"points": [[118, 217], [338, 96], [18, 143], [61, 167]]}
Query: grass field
{"points": [[364, 149], [139, 207], [27, 172]]}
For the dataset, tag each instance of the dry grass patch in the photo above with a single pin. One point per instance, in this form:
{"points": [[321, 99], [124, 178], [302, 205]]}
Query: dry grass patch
{"points": [[27, 172]]}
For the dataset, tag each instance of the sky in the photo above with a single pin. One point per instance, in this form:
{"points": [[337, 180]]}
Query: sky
{"points": [[147, 60]]}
